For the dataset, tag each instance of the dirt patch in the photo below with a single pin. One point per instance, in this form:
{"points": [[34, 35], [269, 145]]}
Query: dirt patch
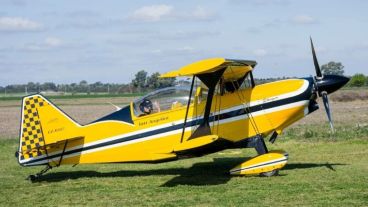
{"points": [[352, 113], [350, 95]]}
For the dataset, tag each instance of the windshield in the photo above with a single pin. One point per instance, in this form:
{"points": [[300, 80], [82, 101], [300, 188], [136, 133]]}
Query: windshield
{"points": [[162, 100]]}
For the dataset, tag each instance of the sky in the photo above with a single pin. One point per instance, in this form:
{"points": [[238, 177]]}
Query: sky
{"points": [[110, 41]]}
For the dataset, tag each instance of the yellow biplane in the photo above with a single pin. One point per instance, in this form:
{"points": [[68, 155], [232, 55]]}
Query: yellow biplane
{"points": [[223, 108]]}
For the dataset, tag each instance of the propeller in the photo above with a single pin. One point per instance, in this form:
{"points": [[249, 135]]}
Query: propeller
{"points": [[315, 61], [320, 82], [327, 108]]}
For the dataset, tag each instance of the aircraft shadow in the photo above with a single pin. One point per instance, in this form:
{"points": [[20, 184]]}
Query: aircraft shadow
{"points": [[203, 173], [293, 166]]}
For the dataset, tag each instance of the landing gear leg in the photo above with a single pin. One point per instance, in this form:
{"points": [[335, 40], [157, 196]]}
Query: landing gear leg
{"points": [[48, 167], [260, 145], [33, 178], [261, 149]]}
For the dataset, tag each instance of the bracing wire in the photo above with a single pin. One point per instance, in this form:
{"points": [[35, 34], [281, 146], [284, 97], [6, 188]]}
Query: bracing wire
{"points": [[196, 101], [214, 112], [218, 117], [246, 105]]}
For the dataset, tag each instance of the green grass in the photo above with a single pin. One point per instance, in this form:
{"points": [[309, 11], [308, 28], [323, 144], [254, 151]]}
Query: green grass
{"points": [[323, 133], [319, 173]]}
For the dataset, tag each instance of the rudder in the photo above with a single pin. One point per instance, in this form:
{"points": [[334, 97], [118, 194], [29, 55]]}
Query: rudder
{"points": [[42, 124]]}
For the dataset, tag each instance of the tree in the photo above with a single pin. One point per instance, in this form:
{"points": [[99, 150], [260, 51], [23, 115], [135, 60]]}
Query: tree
{"points": [[83, 86], [333, 68], [153, 81], [32, 87], [140, 79], [97, 87], [49, 86], [358, 80], [166, 82]]}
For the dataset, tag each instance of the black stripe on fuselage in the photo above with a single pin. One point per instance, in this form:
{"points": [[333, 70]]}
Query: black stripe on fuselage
{"points": [[303, 96]]}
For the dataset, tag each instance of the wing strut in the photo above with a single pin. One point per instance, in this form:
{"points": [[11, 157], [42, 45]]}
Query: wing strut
{"points": [[210, 80], [186, 113], [252, 79]]}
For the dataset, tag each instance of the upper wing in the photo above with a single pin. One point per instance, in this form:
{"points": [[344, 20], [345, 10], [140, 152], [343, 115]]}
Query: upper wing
{"points": [[235, 68], [210, 71]]}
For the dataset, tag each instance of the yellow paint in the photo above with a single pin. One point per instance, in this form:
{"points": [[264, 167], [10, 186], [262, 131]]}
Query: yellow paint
{"points": [[203, 66], [195, 143], [57, 127], [235, 69], [270, 161]]}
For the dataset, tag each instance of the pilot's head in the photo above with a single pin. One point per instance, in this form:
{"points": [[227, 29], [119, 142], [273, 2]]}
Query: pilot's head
{"points": [[146, 106]]}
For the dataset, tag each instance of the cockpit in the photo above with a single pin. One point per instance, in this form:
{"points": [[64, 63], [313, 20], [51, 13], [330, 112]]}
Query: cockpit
{"points": [[162, 100]]}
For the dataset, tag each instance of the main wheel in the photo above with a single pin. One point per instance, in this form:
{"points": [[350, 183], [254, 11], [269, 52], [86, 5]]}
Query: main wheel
{"points": [[269, 173]]}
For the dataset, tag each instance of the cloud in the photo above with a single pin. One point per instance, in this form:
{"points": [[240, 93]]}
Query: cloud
{"points": [[152, 13], [48, 43], [303, 19], [261, 2], [83, 14], [184, 50], [163, 12], [15, 2], [271, 2], [185, 35], [201, 14], [18, 24], [321, 49], [260, 52], [283, 22], [53, 42]]}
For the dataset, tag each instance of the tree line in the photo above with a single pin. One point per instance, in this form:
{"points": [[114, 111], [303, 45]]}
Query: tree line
{"points": [[336, 68], [140, 84], [143, 82]]}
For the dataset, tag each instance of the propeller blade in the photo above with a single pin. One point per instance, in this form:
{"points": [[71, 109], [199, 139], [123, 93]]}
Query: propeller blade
{"points": [[327, 107], [315, 61]]}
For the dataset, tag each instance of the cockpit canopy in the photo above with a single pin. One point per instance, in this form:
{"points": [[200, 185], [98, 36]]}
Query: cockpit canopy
{"points": [[165, 99]]}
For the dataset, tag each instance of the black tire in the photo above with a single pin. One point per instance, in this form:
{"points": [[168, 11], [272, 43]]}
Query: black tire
{"points": [[32, 178], [269, 173]]}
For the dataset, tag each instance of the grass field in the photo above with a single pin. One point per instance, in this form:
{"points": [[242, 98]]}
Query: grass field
{"points": [[318, 174], [324, 169]]}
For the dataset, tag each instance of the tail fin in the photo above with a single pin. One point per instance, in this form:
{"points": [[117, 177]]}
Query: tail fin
{"points": [[42, 124]]}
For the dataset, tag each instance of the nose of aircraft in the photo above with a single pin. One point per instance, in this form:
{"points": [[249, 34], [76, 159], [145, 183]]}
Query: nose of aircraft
{"points": [[331, 83]]}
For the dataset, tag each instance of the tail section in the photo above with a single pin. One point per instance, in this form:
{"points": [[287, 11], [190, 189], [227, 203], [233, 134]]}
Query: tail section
{"points": [[43, 125]]}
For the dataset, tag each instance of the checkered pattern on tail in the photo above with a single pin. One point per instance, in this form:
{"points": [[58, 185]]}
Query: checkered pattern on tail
{"points": [[32, 139]]}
